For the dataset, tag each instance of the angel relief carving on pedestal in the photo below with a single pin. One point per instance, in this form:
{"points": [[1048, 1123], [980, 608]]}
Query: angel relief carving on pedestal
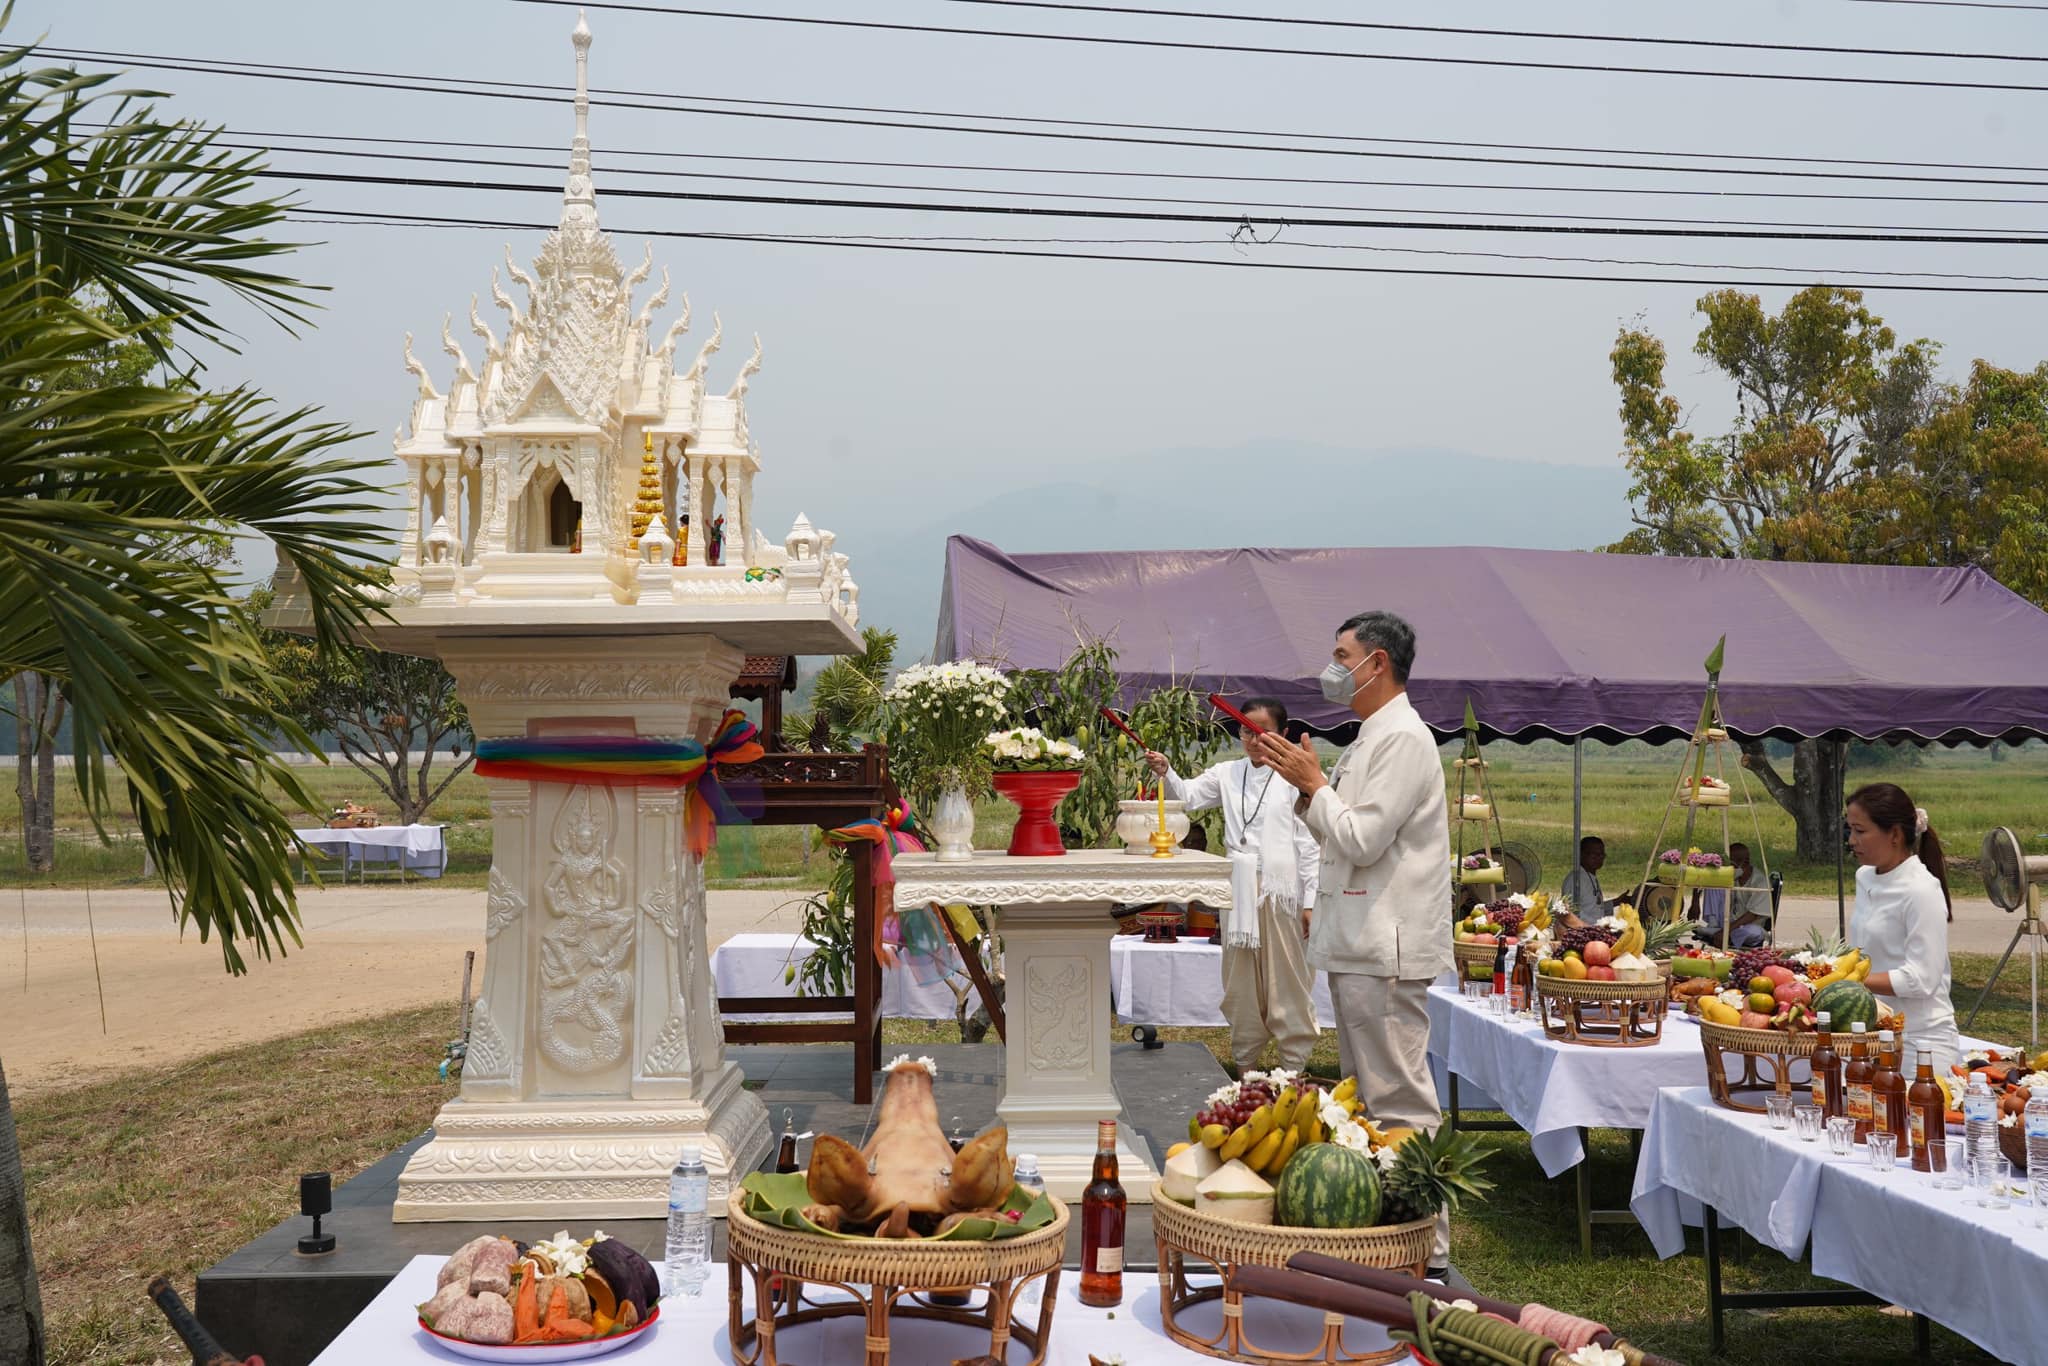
{"points": [[586, 985]]}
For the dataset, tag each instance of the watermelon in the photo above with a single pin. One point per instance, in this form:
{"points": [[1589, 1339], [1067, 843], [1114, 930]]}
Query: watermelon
{"points": [[1327, 1186], [1845, 1004]]}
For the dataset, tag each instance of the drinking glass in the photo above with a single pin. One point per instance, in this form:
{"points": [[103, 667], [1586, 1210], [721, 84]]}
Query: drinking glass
{"points": [[1841, 1134], [1989, 1177], [1806, 1122], [2037, 1185], [1779, 1108], [1883, 1147], [1498, 1004], [1948, 1164]]}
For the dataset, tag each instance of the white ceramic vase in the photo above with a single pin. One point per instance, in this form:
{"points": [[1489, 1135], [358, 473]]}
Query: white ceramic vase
{"points": [[952, 822], [1136, 820]]}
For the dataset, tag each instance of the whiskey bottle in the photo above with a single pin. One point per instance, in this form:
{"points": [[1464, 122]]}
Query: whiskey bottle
{"points": [[1102, 1226], [1856, 1074]]}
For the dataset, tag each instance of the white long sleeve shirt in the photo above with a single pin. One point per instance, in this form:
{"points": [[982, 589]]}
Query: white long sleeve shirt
{"points": [[1901, 921], [1383, 897], [1258, 818]]}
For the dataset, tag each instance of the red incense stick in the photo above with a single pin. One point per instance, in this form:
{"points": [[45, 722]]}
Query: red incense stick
{"points": [[1218, 701], [1117, 721]]}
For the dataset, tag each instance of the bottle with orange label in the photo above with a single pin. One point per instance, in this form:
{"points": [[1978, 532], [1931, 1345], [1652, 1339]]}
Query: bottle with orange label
{"points": [[1925, 1105], [1856, 1074]]}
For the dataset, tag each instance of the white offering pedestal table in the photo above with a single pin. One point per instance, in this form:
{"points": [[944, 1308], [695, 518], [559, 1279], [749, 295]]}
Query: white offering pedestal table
{"points": [[1055, 925]]}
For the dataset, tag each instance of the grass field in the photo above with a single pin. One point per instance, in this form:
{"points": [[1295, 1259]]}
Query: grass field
{"points": [[1966, 791], [172, 1170]]}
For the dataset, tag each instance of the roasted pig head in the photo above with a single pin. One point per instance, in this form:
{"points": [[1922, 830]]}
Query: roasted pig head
{"points": [[902, 1172]]}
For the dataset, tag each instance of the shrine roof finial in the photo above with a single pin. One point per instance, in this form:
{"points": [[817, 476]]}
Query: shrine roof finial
{"points": [[579, 197]]}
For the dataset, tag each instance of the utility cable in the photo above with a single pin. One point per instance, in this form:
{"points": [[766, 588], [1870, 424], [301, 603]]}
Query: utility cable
{"points": [[1048, 211], [1710, 282], [1104, 40], [669, 103], [1383, 27]]}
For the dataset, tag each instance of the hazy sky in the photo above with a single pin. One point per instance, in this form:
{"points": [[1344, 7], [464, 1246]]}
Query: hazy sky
{"points": [[946, 376]]}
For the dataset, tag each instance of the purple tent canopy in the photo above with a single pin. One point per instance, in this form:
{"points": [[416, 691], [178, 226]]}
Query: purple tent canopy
{"points": [[1547, 644]]}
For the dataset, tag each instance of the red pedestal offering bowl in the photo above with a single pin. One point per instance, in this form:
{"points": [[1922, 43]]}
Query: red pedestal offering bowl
{"points": [[1038, 796]]}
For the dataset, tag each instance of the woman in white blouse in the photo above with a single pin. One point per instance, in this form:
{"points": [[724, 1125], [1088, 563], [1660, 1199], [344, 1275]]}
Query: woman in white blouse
{"points": [[1902, 914]]}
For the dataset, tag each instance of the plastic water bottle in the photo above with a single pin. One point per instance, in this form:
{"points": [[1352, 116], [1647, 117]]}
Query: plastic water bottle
{"points": [[2036, 1120], [1032, 1184], [689, 1223], [1980, 1121]]}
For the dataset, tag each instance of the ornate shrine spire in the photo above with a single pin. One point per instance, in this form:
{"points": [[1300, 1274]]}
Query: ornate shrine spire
{"points": [[579, 197]]}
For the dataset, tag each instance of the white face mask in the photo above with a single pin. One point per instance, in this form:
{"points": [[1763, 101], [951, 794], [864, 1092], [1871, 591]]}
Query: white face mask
{"points": [[1338, 685]]}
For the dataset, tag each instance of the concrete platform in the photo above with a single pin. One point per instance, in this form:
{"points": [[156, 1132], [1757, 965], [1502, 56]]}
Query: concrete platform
{"points": [[265, 1298]]}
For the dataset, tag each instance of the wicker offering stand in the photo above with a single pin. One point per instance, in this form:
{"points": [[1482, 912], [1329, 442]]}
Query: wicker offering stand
{"points": [[1183, 1233], [1761, 1051], [1602, 1014], [886, 1279]]}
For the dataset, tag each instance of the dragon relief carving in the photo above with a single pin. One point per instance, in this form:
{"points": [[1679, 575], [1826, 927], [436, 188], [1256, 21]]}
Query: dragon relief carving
{"points": [[586, 984], [1056, 999]]}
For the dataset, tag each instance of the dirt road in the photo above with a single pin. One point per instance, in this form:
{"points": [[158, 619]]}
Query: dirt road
{"points": [[367, 951]]}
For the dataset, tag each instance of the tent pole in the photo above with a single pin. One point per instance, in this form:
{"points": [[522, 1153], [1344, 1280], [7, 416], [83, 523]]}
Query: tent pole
{"points": [[1578, 795], [1841, 806]]}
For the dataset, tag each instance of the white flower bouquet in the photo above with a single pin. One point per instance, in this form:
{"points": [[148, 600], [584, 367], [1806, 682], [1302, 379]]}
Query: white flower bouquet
{"points": [[1026, 749], [937, 715]]}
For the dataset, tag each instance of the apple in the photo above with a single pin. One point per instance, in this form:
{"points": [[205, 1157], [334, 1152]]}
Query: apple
{"points": [[1598, 953], [1779, 974], [1793, 994], [1601, 973]]}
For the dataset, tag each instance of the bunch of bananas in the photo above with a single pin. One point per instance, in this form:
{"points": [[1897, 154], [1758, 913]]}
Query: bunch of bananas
{"points": [[1633, 939], [1852, 966], [1539, 911], [1270, 1136]]}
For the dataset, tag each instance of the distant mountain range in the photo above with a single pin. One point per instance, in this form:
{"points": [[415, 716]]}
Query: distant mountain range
{"points": [[1264, 494]]}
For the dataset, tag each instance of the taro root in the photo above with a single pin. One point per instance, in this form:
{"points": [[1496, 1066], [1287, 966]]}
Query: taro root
{"points": [[458, 1267], [907, 1154], [445, 1299], [493, 1268], [485, 1318]]}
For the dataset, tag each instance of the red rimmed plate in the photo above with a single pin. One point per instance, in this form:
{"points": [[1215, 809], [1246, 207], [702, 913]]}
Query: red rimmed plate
{"points": [[524, 1352]]}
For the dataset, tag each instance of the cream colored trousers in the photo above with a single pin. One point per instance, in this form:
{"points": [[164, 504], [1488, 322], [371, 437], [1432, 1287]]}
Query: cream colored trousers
{"points": [[1383, 1040], [1266, 993]]}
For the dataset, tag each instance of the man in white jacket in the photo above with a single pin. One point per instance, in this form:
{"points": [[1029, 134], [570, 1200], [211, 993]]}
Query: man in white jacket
{"points": [[1382, 924], [1266, 979]]}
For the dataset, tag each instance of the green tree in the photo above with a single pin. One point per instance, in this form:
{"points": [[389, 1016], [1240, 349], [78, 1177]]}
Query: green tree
{"points": [[395, 717], [103, 490], [846, 698], [1828, 403]]}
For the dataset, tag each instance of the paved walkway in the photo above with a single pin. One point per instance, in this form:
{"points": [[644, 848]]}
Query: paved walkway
{"points": [[368, 950]]}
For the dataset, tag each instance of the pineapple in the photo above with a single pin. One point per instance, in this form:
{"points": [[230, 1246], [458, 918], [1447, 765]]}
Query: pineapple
{"points": [[1824, 943], [1660, 940], [1431, 1172]]}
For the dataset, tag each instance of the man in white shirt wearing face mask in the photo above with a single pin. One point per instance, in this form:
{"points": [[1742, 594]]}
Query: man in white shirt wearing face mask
{"points": [[1266, 979], [1382, 926]]}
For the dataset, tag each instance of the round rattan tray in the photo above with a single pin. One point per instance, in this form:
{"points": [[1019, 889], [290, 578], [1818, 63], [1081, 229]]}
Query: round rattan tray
{"points": [[1602, 1014], [1184, 1233], [1474, 960], [1758, 1049], [884, 1278]]}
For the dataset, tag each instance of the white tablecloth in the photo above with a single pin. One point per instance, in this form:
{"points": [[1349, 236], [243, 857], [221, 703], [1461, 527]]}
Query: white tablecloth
{"points": [[1893, 1234], [1180, 984], [694, 1330], [419, 849], [1554, 1089], [755, 964]]}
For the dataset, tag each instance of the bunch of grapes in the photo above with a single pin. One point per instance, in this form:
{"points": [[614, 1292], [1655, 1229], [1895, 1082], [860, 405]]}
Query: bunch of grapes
{"points": [[1507, 915], [1576, 937], [1750, 962], [1231, 1113]]}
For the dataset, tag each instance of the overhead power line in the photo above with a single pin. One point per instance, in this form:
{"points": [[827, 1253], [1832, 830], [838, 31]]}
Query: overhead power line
{"points": [[670, 102], [1014, 251], [1105, 40], [1384, 27], [606, 164], [1831, 234], [1233, 241]]}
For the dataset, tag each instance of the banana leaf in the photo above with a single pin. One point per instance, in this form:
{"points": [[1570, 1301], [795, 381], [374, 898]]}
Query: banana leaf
{"points": [[779, 1198]]}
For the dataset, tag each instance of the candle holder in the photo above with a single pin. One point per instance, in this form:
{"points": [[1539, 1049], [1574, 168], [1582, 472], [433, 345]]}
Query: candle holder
{"points": [[1162, 843]]}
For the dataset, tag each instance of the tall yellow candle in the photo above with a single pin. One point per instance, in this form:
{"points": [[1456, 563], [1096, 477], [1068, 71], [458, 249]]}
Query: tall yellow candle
{"points": [[1162, 805]]}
